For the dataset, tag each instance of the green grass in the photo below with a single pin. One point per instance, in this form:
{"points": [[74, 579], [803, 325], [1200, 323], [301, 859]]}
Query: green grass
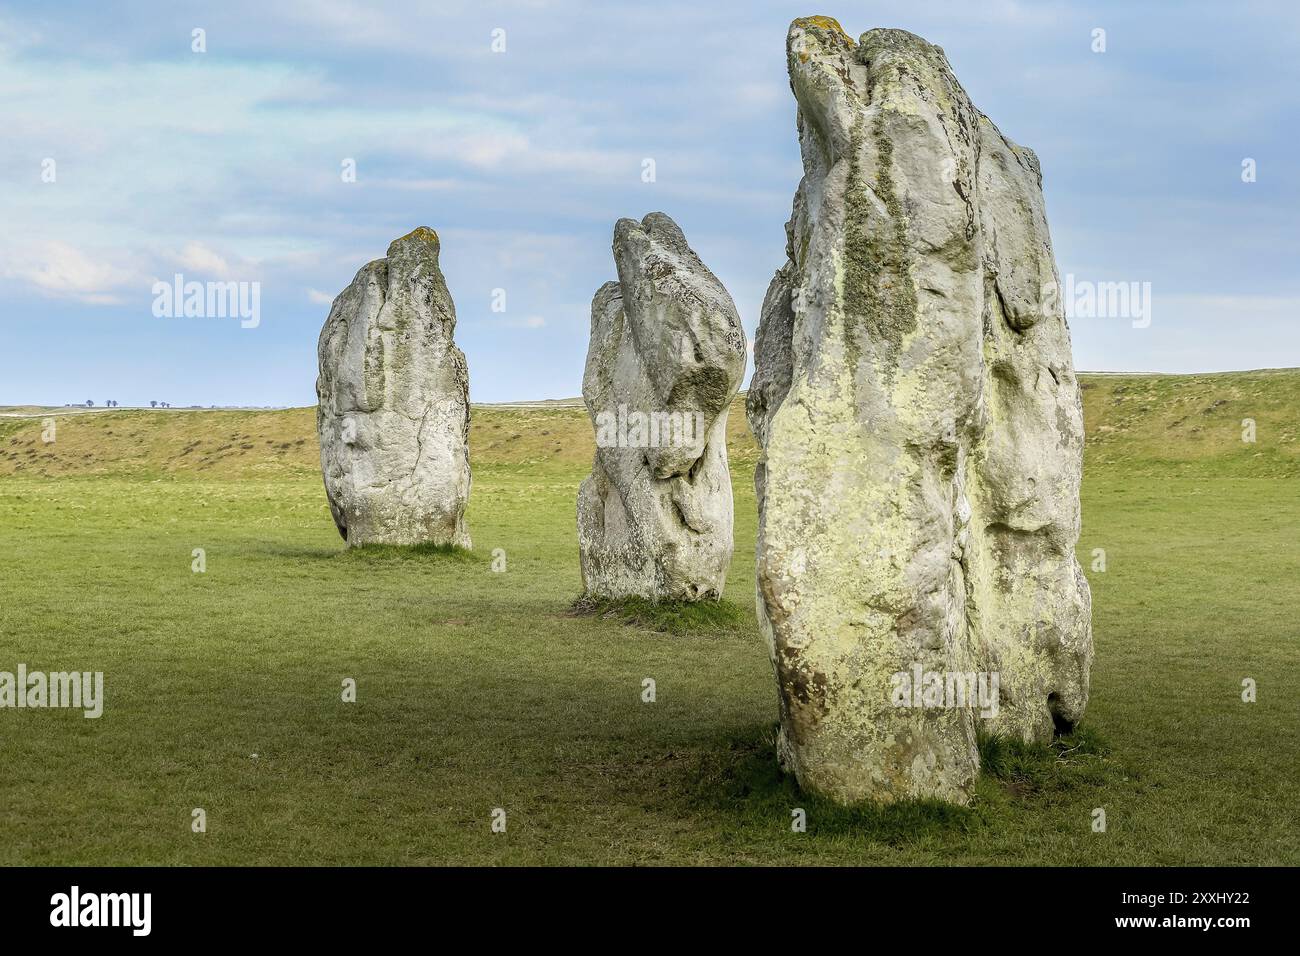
{"points": [[372, 554], [1064, 764], [479, 689], [669, 617]]}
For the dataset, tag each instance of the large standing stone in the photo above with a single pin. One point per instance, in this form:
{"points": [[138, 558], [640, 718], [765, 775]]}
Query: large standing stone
{"points": [[666, 358], [393, 412], [921, 433]]}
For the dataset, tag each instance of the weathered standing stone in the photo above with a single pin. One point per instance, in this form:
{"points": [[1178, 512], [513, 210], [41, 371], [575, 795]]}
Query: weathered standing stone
{"points": [[921, 432], [393, 411], [666, 358]]}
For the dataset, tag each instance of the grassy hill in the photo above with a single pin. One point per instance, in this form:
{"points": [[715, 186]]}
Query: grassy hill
{"points": [[1192, 424], [1152, 424]]}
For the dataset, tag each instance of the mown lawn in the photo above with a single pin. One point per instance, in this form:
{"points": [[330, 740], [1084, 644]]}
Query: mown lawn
{"points": [[479, 690]]}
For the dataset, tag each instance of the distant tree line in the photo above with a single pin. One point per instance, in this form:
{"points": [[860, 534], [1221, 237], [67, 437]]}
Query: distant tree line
{"points": [[112, 403]]}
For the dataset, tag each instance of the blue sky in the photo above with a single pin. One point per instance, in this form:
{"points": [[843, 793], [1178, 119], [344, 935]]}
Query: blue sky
{"points": [[226, 165]]}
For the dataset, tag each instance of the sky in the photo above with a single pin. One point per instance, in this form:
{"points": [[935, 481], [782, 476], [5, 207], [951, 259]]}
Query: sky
{"points": [[128, 156]]}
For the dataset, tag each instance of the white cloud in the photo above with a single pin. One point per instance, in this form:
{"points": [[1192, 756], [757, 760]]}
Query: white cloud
{"points": [[146, 150], [196, 257], [527, 322], [59, 269], [422, 185]]}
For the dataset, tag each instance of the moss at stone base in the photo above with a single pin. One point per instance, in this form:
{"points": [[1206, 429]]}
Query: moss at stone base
{"points": [[668, 617]]}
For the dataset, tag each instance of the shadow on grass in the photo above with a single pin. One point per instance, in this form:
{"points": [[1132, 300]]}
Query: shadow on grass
{"points": [[744, 782], [368, 553], [667, 617], [375, 553], [298, 553], [741, 780]]}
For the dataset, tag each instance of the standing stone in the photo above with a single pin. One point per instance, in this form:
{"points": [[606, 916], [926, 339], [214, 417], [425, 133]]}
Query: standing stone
{"points": [[666, 358], [921, 433], [393, 403]]}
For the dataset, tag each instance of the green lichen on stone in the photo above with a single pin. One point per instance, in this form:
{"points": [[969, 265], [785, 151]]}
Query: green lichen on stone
{"points": [[401, 309], [373, 369], [878, 291], [401, 334], [857, 249]]}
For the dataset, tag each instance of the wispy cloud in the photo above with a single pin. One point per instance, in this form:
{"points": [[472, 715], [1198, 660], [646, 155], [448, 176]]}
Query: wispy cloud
{"points": [[231, 163]]}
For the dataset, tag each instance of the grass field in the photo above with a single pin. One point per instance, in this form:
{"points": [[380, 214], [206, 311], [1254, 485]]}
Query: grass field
{"points": [[478, 690]]}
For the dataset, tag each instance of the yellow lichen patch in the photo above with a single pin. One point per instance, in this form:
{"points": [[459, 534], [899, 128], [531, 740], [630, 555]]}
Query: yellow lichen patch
{"points": [[824, 23], [421, 232]]}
